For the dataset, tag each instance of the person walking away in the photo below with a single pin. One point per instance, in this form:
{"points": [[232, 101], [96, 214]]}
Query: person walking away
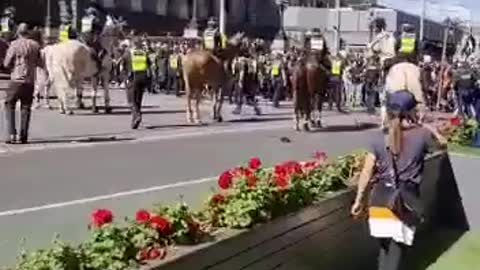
{"points": [[22, 59], [138, 65], [92, 26], [394, 165], [356, 83], [372, 77]]}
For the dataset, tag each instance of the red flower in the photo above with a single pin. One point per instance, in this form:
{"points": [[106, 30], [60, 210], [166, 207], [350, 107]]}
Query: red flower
{"points": [[310, 165], [154, 254], [225, 180], [101, 217], [281, 181], [217, 199], [252, 181], [142, 216], [320, 156], [293, 167], [143, 254], [280, 170], [455, 121], [161, 224], [255, 163]]}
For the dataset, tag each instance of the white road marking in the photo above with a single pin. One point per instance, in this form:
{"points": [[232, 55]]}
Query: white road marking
{"points": [[104, 197]]}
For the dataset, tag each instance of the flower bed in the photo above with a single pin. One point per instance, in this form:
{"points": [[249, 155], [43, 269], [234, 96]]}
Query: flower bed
{"points": [[460, 134], [247, 195]]}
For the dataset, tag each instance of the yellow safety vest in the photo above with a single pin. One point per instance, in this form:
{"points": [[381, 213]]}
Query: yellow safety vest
{"points": [[173, 61], [407, 45], [209, 40], [275, 70], [224, 41], [139, 61], [64, 34], [4, 25], [337, 68]]}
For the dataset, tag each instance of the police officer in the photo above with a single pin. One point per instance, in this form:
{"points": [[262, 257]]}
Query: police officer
{"points": [[66, 30], [407, 44], [7, 24], [383, 44], [336, 81], [174, 71], [91, 27], [212, 39], [278, 77], [465, 85], [138, 64]]}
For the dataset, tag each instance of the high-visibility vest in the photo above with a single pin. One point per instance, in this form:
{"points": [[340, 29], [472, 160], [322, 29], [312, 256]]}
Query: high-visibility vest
{"points": [[317, 44], [224, 41], [139, 61], [5, 25], [64, 33], [87, 24], [209, 40], [173, 61], [336, 67], [407, 44], [275, 70]]}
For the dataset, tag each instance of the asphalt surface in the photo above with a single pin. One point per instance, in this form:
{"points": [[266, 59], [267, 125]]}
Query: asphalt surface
{"points": [[86, 161]]}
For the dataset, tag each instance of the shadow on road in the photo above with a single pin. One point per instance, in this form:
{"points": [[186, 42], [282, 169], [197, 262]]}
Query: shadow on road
{"points": [[153, 127], [259, 120], [81, 140], [348, 128]]}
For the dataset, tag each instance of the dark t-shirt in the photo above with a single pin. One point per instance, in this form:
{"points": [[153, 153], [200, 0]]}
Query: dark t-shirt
{"points": [[415, 145]]}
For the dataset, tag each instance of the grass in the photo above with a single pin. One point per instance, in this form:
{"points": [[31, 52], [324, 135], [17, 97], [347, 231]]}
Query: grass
{"points": [[464, 150], [463, 255]]}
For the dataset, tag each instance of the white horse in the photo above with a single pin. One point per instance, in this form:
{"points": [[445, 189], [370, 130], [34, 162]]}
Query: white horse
{"points": [[109, 40], [68, 64]]}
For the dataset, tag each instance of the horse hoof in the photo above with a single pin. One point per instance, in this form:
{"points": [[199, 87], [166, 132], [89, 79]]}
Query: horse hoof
{"points": [[219, 119], [63, 112], [80, 106], [296, 128], [95, 110], [319, 124], [49, 107], [108, 110], [70, 113]]}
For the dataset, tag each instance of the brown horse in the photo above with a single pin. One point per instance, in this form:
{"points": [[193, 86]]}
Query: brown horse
{"points": [[3, 51], [203, 68], [309, 86]]}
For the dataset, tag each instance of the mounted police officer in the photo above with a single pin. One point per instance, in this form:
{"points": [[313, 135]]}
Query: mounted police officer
{"points": [[315, 41], [7, 24], [383, 44], [91, 27], [407, 44], [211, 37]]}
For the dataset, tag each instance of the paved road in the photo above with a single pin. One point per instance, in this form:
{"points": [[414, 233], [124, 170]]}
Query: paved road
{"points": [[72, 166]]}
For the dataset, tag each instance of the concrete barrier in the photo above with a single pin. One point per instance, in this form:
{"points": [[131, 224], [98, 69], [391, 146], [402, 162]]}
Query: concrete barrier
{"points": [[322, 236]]}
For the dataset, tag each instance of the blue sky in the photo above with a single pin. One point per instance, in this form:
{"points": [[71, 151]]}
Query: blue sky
{"points": [[439, 9]]}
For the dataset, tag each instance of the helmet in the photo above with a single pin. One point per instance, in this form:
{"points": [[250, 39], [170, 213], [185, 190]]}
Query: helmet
{"points": [[91, 11], [10, 11], [212, 22], [408, 28], [379, 23]]}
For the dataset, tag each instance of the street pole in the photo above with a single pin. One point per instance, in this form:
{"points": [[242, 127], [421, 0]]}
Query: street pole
{"points": [[74, 7], [193, 21], [337, 30], [48, 20], [443, 61], [223, 17], [422, 20]]}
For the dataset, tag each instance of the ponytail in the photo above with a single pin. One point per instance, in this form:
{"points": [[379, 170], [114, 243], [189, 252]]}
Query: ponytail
{"points": [[394, 138]]}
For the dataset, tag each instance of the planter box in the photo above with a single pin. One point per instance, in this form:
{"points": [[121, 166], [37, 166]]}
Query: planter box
{"points": [[322, 236]]}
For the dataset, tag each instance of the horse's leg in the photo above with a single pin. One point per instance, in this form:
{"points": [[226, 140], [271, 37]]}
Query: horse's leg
{"points": [[319, 104], [94, 94], [296, 108], [219, 101], [189, 93], [46, 93], [106, 92], [196, 116]]}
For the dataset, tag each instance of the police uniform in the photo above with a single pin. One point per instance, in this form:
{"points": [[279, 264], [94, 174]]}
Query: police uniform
{"points": [[138, 63], [247, 70], [174, 71], [336, 82], [7, 24], [212, 39], [407, 45], [91, 27], [277, 75]]}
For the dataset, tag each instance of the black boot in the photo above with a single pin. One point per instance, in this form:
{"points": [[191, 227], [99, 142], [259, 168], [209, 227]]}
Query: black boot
{"points": [[24, 124], [136, 118]]}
